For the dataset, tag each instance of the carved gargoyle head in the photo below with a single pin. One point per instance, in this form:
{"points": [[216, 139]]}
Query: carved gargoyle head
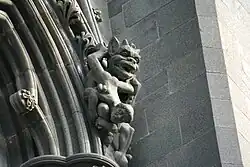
{"points": [[123, 60]]}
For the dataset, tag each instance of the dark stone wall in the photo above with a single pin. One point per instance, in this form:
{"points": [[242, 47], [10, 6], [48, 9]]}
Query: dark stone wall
{"points": [[173, 120]]}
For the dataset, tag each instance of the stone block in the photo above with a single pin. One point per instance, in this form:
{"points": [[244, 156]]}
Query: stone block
{"points": [[156, 144], [140, 27], [175, 14], [172, 159], [151, 58], [115, 7], [154, 97], [161, 109], [214, 60], [117, 24], [223, 113], [135, 10], [149, 36], [209, 31], [205, 7], [218, 86], [184, 70], [161, 53], [228, 145], [140, 124], [202, 152], [197, 122], [182, 40], [153, 84]]}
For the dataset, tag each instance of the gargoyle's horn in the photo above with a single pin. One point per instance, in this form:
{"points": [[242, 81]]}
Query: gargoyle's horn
{"points": [[125, 42], [133, 45]]}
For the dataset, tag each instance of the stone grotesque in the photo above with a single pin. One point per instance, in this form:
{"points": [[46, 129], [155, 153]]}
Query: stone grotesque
{"points": [[111, 90]]}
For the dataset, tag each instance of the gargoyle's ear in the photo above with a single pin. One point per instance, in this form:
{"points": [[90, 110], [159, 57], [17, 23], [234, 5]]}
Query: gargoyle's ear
{"points": [[113, 46], [137, 51]]}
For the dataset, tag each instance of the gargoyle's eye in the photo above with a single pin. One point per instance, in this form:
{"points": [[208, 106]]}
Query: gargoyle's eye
{"points": [[125, 53], [137, 60]]}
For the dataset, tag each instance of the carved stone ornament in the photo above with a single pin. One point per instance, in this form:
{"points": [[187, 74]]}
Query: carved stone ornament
{"points": [[29, 100], [111, 90], [66, 95], [98, 15]]}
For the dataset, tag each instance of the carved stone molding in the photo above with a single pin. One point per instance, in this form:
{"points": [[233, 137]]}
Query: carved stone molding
{"points": [[86, 160], [69, 94]]}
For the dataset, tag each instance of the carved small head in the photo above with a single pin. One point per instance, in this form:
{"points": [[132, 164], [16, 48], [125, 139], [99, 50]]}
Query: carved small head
{"points": [[122, 113], [123, 59]]}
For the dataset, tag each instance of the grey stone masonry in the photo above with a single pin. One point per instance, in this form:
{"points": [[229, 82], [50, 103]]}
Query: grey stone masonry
{"points": [[183, 114]]}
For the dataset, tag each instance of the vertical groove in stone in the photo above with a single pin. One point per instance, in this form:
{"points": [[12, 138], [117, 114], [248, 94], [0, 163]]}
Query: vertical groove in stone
{"points": [[64, 78], [38, 57], [25, 70], [85, 6], [71, 62], [9, 121]]}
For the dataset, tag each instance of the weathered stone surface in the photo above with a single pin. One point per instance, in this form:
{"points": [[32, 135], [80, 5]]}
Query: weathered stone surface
{"points": [[151, 147], [228, 145], [166, 18], [133, 10], [205, 8], [245, 149], [245, 4], [153, 84], [139, 28], [201, 152], [196, 122], [182, 71], [117, 24], [140, 122], [214, 60], [174, 14], [146, 38], [241, 123], [209, 30], [174, 158], [163, 108], [115, 7], [158, 56], [218, 86], [223, 113]]}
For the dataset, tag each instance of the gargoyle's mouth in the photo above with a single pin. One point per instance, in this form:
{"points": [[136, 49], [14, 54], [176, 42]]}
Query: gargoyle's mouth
{"points": [[128, 66]]}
